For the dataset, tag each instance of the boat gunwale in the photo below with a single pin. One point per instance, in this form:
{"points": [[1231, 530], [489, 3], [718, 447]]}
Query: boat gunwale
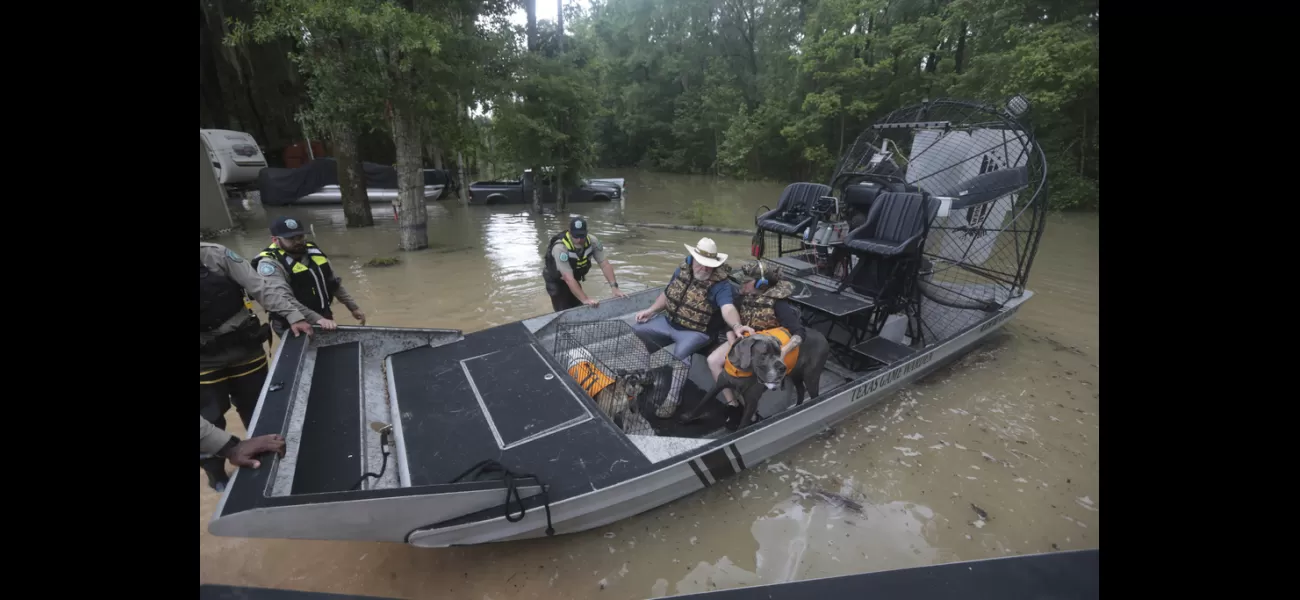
{"points": [[993, 321], [660, 468]]}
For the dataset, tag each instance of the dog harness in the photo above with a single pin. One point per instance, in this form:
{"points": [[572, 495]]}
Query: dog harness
{"points": [[591, 379], [783, 336]]}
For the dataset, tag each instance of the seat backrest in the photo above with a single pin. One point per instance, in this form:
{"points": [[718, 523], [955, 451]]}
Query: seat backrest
{"points": [[798, 198], [899, 216], [861, 196]]}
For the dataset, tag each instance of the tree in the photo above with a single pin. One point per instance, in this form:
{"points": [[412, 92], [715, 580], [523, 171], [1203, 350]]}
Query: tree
{"points": [[378, 66], [546, 119]]}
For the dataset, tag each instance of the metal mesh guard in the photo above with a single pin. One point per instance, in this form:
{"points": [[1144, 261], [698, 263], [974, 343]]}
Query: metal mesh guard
{"points": [[621, 359]]}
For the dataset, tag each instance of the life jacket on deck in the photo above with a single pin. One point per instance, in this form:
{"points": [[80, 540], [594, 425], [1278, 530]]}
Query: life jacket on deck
{"points": [[589, 378], [783, 336], [313, 281]]}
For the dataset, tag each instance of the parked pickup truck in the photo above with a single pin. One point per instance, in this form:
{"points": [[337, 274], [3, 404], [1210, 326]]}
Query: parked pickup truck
{"points": [[514, 192]]}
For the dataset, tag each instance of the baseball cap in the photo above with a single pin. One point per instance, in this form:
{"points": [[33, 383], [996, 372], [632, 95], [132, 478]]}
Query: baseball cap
{"points": [[286, 227], [578, 227]]}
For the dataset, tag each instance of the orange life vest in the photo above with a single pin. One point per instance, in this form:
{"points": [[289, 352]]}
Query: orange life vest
{"points": [[783, 336], [591, 379]]}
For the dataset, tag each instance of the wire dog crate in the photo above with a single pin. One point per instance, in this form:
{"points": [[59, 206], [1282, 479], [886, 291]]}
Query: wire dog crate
{"points": [[626, 379]]}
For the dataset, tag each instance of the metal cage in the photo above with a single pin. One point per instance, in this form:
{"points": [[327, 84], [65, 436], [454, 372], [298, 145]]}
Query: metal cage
{"points": [[626, 379]]}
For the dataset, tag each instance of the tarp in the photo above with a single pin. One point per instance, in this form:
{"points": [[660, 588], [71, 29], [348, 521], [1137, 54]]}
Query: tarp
{"points": [[280, 187]]}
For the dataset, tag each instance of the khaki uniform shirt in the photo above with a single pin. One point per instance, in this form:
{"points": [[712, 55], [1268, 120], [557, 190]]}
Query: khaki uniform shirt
{"points": [[211, 438], [274, 295], [559, 249], [282, 274]]}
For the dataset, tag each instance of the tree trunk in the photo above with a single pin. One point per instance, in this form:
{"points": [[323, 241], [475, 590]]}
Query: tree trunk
{"points": [[352, 179], [412, 217], [559, 10], [842, 117], [460, 163], [437, 156], [961, 47], [531, 7]]}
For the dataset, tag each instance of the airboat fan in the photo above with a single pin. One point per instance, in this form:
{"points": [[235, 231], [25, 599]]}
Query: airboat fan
{"points": [[981, 163]]}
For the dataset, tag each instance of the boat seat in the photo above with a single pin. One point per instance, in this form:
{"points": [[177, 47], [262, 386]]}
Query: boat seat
{"points": [[861, 196], [891, 238], [791, 215]]}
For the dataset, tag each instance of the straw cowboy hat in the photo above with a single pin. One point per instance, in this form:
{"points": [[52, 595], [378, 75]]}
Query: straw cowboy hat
{"points": [[706, 253]]}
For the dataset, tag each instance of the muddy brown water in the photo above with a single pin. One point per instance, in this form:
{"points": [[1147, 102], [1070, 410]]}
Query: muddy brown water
{"points": [[994, 455]]}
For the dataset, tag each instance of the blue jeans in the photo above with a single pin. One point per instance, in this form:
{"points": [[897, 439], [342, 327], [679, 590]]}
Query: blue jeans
{"points": [[659, 332]]}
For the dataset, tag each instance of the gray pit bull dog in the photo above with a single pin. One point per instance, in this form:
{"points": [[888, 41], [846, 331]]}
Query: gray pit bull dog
{"points": [[761, 356]]}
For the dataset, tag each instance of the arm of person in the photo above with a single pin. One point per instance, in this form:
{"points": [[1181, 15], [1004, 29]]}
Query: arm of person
{"points": [[211, 438], [599, 256], [566, 273], [342, 295], [788, 316], [275, 275], [272, 293], [721, 295], [241, 453]]}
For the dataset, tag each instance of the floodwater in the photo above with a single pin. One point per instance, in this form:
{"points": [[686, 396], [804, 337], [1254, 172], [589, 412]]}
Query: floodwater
{"points": [[994, 455]]}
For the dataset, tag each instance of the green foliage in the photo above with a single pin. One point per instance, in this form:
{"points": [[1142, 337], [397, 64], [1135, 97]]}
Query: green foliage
{"points": [[748, 88], [546, 117], [363, 57], [777, 88], [701, 213]]}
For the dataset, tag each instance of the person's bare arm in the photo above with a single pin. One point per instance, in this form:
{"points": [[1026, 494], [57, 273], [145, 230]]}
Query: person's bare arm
{"points": [[342, 295], [658, 305], [732, 317], [561, 256], [574, 286], [788, 316], [599, 256]]}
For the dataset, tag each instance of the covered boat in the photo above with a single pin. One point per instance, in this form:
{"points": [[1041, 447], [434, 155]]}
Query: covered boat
{"points": [[437, 438], [317, 182]]}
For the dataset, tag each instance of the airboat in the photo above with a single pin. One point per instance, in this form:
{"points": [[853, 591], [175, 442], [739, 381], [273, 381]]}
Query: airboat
{"points": [[917, 248]]}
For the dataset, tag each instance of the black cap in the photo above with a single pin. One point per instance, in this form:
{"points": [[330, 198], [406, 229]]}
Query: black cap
{"points": [[286, 227], [578, 227]]}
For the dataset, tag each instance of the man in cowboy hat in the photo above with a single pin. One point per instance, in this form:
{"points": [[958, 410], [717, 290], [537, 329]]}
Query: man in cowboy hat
{"points": [[698, 289]]}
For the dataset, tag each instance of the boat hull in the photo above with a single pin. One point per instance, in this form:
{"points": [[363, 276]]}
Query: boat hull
{"points": [[414, 502], [331, 194], [721, 459]]}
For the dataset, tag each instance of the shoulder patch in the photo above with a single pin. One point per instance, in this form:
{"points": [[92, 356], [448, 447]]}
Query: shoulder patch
{"points": [[595, 241], [266, 268], [564, 256], [234, 257]]}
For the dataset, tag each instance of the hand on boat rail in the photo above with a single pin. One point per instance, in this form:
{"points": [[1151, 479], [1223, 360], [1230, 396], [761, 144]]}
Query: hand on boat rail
{"points": [[244, 453]]}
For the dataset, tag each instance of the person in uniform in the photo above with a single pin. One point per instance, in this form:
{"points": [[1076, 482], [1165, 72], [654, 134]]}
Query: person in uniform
{"points": [[217, 442], [568, 258], [698, 290], [232, 360], [308, 272], [763, 304]]}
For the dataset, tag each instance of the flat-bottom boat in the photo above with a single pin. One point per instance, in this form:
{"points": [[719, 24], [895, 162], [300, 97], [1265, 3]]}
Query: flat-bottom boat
{"points": [[436, 438]]}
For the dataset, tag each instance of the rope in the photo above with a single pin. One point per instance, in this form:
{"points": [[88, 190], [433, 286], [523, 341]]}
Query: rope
{"points": [[511, 489]]}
